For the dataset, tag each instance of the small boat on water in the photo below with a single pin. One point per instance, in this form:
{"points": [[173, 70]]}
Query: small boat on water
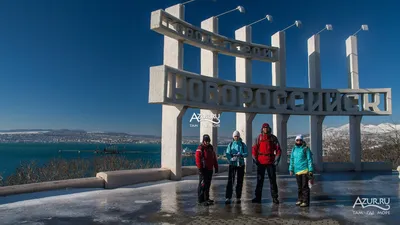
{"points": [[109, 149], [187, 152]]}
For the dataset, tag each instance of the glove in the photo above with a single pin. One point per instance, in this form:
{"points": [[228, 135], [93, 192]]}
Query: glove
{"points": [[233, 159], [216, 170], [256, 162], [276, 161]]}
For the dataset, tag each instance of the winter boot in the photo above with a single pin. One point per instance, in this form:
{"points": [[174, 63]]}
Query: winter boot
{"points": [[256, 200], [304, 204], [206, 203]]}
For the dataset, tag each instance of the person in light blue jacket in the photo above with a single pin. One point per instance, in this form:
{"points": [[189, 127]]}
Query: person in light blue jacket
{"points": [[301, 164], [235, 153]]}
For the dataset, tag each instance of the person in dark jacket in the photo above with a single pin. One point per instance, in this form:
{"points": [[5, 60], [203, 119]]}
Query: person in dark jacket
{"points": [[266, 153], [301, 164], [206, 161], [235, 153]]}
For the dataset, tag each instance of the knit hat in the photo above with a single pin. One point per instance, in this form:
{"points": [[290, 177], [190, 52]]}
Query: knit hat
{"points": [[206, 138], [236, 133], [266, 125], [299, 137]]}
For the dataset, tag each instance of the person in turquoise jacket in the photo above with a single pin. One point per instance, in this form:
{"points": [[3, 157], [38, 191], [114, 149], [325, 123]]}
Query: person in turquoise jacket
{"points": [[301, 164], [235, 153]]}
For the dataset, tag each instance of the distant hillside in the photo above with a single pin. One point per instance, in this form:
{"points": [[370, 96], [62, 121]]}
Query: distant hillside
{"points": [[78, 134]]}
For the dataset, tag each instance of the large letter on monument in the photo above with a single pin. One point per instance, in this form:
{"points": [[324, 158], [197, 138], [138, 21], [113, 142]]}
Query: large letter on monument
{"points": [[262, 99], [314, 101], [371, 106], [292, 101], [228, 95], [335, 104], [278, 98], [212, 95], [348, 103], [195, 88], [180, 89], [245, 97]]}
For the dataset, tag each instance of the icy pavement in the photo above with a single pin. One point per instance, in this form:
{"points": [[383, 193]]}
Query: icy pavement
{"points": [[167, 202]]}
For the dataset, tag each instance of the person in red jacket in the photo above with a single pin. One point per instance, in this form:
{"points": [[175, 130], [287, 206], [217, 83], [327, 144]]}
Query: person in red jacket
{"points": [[206, 161], [266, 153]]}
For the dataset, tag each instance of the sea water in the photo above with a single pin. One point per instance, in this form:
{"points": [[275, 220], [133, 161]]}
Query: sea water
{"points": [[13, 154]]}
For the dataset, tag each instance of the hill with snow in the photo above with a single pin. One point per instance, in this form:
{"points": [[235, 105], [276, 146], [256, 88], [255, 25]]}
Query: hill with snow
{"points": [[366, 129]]}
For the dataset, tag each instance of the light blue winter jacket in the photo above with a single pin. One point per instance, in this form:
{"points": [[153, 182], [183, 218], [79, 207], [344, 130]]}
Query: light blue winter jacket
{"points": [[301, 161], [233, 149]]}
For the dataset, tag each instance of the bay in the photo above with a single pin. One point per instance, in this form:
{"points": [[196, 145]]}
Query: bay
{"points": [[13, 154]]}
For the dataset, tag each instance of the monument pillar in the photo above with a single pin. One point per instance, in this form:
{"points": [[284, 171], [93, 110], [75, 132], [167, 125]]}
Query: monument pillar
{"points": [[314, 81], [171, 134], [279, 79], [354, 121], [244, 121], [209, 67]]}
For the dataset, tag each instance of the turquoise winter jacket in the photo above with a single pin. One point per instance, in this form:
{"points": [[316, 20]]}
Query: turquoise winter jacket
{"points": [[234, 148], [301, 161]]}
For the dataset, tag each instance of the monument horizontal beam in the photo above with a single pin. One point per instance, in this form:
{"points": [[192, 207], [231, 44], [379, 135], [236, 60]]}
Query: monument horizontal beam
{"points": [[166, 24], [177, 87]]}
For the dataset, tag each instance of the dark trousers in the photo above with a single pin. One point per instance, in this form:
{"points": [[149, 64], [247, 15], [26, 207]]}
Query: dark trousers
{"points": [[303, 191], [203, 189], [233, 170], [271, 170]]}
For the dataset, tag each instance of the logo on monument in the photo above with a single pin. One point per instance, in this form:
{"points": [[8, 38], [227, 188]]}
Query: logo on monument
{"points": [[206, 119]]}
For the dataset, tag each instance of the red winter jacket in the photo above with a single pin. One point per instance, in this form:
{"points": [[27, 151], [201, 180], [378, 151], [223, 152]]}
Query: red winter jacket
{"points": [[206, 154], [266, 148]]}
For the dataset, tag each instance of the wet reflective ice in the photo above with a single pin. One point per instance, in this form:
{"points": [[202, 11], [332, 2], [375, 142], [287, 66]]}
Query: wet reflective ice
{"points": [[167, 202]]}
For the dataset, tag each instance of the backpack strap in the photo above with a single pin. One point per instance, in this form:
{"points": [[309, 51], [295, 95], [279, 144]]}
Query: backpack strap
{"points": [[274, 139], [305, 151], [260, 136], [230, 145], [202, 151], [241, 144]]}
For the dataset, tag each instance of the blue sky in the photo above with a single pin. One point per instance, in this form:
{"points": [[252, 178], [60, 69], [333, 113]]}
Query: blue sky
{"points": [[84, 64]]}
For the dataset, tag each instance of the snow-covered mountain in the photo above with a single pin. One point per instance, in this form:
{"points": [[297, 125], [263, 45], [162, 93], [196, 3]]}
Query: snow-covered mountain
{"points": [[365, 129]]}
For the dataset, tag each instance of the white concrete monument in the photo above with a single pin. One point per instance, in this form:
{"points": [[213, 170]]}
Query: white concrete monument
{"points": [[178, 89], [209, 67], [314, 81], [244, 121]]}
